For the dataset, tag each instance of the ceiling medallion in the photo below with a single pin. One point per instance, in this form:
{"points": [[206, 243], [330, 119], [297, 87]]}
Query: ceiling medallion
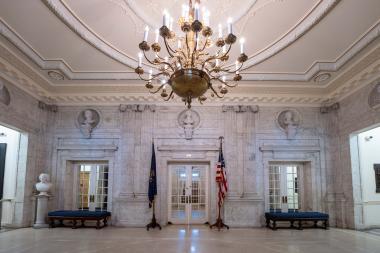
{"points": [[190, 70], [322, 77], [55, 75]]}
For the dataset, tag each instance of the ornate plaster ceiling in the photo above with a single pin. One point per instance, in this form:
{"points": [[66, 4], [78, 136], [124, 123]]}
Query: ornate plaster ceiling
{"points": [[90, 46]]}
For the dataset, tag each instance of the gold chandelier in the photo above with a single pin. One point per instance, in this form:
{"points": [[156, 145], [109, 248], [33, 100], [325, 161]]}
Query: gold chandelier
{"points": [[190, 70]]}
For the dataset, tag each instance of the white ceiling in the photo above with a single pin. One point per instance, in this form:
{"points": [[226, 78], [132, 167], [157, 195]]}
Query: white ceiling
{"points": [[93, 44]]}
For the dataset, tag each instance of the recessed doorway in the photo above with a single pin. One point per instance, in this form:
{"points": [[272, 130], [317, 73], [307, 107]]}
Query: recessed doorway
{"points": [[92, 186], [188, 193], [284, 187], [13, 156], [365, 161]]}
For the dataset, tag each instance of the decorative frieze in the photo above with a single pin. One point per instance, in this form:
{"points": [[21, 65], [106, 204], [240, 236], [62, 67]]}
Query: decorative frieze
{"points": [[47, 107], [5, 97], [137, 108], [240, 108], [330, 108], [374, 97]]}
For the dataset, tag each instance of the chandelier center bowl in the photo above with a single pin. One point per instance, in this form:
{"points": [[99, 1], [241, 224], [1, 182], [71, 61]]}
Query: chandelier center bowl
{"points": [[189, 82]]}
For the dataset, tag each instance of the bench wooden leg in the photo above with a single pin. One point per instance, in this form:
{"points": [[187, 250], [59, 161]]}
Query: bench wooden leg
{"points": [[326, 224], [82, 223], [74, 224], [315, 223], [300, 225], [292, 224], [267, 221], [274, 225], [98, 224], [105, 222], [51, 223]]}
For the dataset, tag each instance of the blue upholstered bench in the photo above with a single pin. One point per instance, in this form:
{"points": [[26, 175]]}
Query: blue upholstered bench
{"points": [[78, 215], [296, 216]]}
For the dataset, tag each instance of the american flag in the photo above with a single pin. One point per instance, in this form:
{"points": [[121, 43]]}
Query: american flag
{"points": [[221, 178]]}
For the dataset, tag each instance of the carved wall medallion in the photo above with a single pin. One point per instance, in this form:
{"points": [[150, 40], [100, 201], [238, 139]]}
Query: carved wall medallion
{"points": [[189, 120], [87, 121], [55, 75], [5, 97], [374, 97], [323, 77], [289, 121]]}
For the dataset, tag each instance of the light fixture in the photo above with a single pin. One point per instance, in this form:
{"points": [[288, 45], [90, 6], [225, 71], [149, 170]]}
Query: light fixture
{"points": [[191, 69]]}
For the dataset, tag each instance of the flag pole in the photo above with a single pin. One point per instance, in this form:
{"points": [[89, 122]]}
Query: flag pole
{"points": [[152, 191], [153, 224], [219, 224]]}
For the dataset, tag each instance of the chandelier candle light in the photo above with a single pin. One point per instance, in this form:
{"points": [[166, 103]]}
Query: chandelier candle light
{"points": [[191, 69]]}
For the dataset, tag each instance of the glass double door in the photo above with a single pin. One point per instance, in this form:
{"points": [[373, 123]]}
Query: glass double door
{"points": [[188, 194], [93, 187], [284, 188]]}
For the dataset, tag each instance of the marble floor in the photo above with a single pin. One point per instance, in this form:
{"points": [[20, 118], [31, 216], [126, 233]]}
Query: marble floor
{"points": [[187, 239]]}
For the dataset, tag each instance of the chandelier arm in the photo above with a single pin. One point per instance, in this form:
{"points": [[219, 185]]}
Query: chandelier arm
{"points": [[149, 60], [158, 89], [232, 72], [215, 92], [204, 45], [225, 83], [159, 57], [214, 57], [231, 86], [144, 79], [169, 97], [226, 53], [153, 76], [168, 48]]}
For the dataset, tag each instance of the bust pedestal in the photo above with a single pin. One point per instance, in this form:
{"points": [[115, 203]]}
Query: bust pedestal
{"points": [[42, 201], [41, 211]]}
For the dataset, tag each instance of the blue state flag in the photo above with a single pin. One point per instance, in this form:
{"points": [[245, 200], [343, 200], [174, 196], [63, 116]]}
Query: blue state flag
{"points": [[152, 191]]}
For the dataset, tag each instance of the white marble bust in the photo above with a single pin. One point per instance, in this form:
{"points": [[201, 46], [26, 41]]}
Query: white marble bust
{"points": [[44, 185]]}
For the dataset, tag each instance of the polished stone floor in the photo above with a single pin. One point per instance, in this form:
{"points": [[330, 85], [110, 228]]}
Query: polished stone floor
{"points": [[187, 239]]}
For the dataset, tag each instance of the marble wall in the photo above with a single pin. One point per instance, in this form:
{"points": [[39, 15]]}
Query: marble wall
{"points": [[355, 115], [24, 114], [253, 139]]}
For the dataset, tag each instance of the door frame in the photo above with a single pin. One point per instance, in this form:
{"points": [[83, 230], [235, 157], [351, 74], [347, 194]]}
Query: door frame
{"points": [[207, 166]]}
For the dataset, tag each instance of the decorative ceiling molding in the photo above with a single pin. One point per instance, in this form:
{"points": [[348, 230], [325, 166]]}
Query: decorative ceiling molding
{"points": [[222, 10], [356, 82], [57, 64], [20, 80], [67, 16], [117, 98], [372, 34], [76, 25], [309, 21], [61, 10]]}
